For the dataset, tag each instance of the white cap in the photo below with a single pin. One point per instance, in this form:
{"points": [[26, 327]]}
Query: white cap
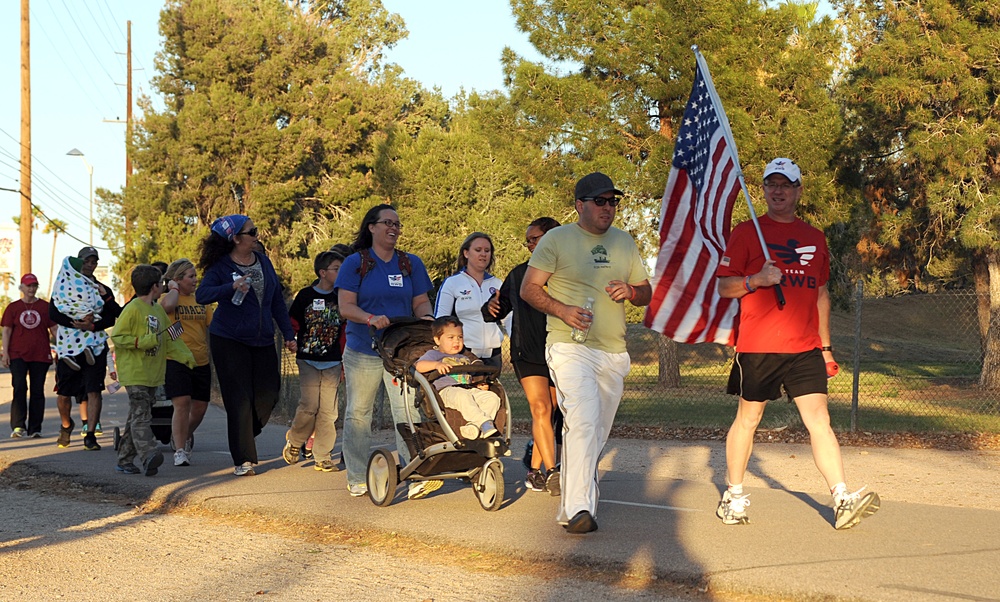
{"points": [[785, 167]]}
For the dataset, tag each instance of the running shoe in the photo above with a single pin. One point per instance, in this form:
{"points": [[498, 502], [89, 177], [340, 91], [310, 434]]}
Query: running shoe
{"points": [[552, 483], [535, 480], [290, 453], [733, 509], [64, 434], [152, 464], [326, 466], [421, 489], [853, 507], [88, 356], [488, 429], [244, 470], [72, 364], [90, 442], [127, 468], [181, 458], [98, 430], [357, 490], [17, 433], [83, 429]]}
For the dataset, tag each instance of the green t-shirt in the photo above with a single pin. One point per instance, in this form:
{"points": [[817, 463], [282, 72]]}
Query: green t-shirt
{"points": [[581, 265]]}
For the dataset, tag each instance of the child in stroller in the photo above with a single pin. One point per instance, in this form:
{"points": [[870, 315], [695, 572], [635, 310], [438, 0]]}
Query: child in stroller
{"points": [[432, 431], [478, 405]]}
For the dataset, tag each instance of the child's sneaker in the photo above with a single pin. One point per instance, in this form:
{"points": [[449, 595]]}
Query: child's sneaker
{"points": [[733, 508], [326, 466], [98, 430], [853, 507], [535, 480], [469, 431], [488, 429], [307, 448], [72, 364]]}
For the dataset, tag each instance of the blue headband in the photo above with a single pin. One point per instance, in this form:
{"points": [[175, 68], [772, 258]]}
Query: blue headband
{"points": [[229, 226]]}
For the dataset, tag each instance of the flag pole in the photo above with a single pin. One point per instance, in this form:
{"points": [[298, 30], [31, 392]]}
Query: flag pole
{"points": [[728, 133]]}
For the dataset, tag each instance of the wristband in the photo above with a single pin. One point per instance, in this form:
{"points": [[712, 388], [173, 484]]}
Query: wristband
{"points": [[827, 348], [746, 285], [632, 290], [369, 321]]}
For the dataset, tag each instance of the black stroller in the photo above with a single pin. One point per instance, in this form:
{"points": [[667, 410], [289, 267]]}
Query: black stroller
{"points": [[436, 449]]}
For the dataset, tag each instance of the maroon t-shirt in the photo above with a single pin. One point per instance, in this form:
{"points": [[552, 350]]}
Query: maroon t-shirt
{"points": [[29, 340]]}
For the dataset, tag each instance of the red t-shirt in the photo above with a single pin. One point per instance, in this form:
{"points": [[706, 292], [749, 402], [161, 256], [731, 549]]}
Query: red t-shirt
{"points": [[29, 340], [800, 251]]}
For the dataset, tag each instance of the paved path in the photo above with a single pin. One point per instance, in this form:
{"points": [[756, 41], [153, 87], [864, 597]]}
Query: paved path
{"points": [[937, 536]]}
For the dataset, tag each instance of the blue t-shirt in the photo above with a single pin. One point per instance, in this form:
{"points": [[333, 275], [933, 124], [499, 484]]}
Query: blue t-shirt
{"points": [[384, 291]]}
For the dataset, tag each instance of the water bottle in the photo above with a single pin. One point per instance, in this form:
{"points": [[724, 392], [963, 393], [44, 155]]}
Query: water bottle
{"points": [[239, 294], [580, 334]]}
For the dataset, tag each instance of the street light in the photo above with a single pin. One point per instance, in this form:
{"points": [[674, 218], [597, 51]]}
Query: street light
{"points": [[90, 171]]}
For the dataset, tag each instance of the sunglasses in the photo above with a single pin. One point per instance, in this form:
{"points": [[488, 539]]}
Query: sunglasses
{"points": [[601, 201], [388, 223], [250, 232]]}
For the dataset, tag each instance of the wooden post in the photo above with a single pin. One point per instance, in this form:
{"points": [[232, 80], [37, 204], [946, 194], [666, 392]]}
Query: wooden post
{"points": [[26, 217]]}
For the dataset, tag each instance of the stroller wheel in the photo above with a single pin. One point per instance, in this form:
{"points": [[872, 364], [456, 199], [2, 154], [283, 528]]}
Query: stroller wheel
{"points": [[489, 486], [383, 476]]}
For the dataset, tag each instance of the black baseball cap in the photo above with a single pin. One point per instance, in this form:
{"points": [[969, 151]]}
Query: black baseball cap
{"points": [[595, 184], [87, 252]]}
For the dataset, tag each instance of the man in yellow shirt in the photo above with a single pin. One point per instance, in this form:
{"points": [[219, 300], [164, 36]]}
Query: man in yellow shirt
{"points": [[585, 348]]}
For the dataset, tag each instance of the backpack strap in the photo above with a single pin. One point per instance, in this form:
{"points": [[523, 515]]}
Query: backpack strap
{"points": [[368, 263]]}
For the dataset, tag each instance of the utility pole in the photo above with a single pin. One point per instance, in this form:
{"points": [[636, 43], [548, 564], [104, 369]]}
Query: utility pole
{"points": [[128, 117], [26, 217]]}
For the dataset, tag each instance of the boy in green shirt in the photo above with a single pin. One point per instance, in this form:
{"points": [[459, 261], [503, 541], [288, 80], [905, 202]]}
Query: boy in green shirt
{"points": [[141, 348]]}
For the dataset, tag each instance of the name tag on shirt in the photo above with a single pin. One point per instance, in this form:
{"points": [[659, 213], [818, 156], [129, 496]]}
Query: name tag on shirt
{"points": [[319, 304], [396, 280]]}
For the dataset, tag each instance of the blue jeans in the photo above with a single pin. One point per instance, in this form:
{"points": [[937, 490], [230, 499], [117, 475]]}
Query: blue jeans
{"points": [[364, 374]]}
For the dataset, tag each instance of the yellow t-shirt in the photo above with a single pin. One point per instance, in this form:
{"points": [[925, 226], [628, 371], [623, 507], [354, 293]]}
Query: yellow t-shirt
{"points": [[581, 265], [195, 318]]}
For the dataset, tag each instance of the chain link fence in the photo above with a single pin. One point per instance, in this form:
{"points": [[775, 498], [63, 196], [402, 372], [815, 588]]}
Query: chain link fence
{"points": [[907, 363]]}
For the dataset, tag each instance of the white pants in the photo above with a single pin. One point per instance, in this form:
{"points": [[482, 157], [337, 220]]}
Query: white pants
{"points": [[476, 405], [589, 385]]}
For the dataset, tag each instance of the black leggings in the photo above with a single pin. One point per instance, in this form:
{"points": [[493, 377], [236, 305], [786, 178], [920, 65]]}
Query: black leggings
{"points": [[250, 380]]}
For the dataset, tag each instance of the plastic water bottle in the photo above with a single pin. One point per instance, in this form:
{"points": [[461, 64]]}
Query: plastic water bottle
{"points": [[580, 334], [239, 294]]}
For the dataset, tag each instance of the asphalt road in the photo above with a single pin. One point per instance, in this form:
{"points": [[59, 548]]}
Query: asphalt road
{"points": [[935, 538]]}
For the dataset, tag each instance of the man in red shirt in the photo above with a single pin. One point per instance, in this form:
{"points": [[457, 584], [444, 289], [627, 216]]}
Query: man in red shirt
{"points": [[26, 351], [782, 346]]}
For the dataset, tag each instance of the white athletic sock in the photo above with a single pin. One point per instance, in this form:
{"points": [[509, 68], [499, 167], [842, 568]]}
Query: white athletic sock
{"points": [[839, 492], [736, 489]]}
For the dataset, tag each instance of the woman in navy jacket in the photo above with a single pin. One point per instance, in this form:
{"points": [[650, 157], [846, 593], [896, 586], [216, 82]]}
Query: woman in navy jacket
{"points": [[242, 335]]}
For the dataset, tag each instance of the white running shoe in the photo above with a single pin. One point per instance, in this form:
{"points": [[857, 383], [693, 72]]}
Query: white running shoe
{"points": [[421, 489], [181, 458], [733, 508], [853, 507], [244, 470], [357, 490]]}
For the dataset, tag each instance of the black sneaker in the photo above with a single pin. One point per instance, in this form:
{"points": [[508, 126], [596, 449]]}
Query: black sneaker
{"points": [[152, 463], [72, 364], [64, 434], [582, 523], [88, 356], [552, 483], [535, 480], [90, 442]]}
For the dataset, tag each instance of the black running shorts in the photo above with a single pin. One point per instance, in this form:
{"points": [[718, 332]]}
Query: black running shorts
{"points": [[195, 382], [523, 368], [760, 376]]}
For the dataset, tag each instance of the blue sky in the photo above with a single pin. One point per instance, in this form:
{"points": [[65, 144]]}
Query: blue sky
{"points": [[79, 71]]}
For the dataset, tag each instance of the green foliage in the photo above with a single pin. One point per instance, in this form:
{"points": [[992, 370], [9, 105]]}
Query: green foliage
{"points": [[921, 101]]}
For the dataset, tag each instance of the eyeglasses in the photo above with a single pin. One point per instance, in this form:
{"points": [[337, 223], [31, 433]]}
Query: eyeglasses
{"points": [[388, 223], [532, 240], [601, 201], [782, 187], [250, 232]]}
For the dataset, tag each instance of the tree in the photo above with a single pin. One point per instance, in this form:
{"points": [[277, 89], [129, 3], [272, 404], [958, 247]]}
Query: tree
{"points": [[921, 102], [277, 110], [622, 75]]}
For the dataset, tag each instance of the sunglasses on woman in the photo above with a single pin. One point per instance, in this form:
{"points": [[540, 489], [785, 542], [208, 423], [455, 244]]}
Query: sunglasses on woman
{"points": [[250, 232]]}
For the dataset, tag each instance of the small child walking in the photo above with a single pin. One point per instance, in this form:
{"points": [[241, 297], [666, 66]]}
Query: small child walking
{"points": [[317, 324], [142, 346], [478, 405]]}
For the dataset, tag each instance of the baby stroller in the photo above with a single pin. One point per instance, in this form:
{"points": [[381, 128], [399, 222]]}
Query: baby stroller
{"points": [[436, 449]]}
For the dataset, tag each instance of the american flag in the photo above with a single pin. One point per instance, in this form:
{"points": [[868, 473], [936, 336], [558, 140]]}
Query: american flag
{"points": [[176, 330], [695, 220]]}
